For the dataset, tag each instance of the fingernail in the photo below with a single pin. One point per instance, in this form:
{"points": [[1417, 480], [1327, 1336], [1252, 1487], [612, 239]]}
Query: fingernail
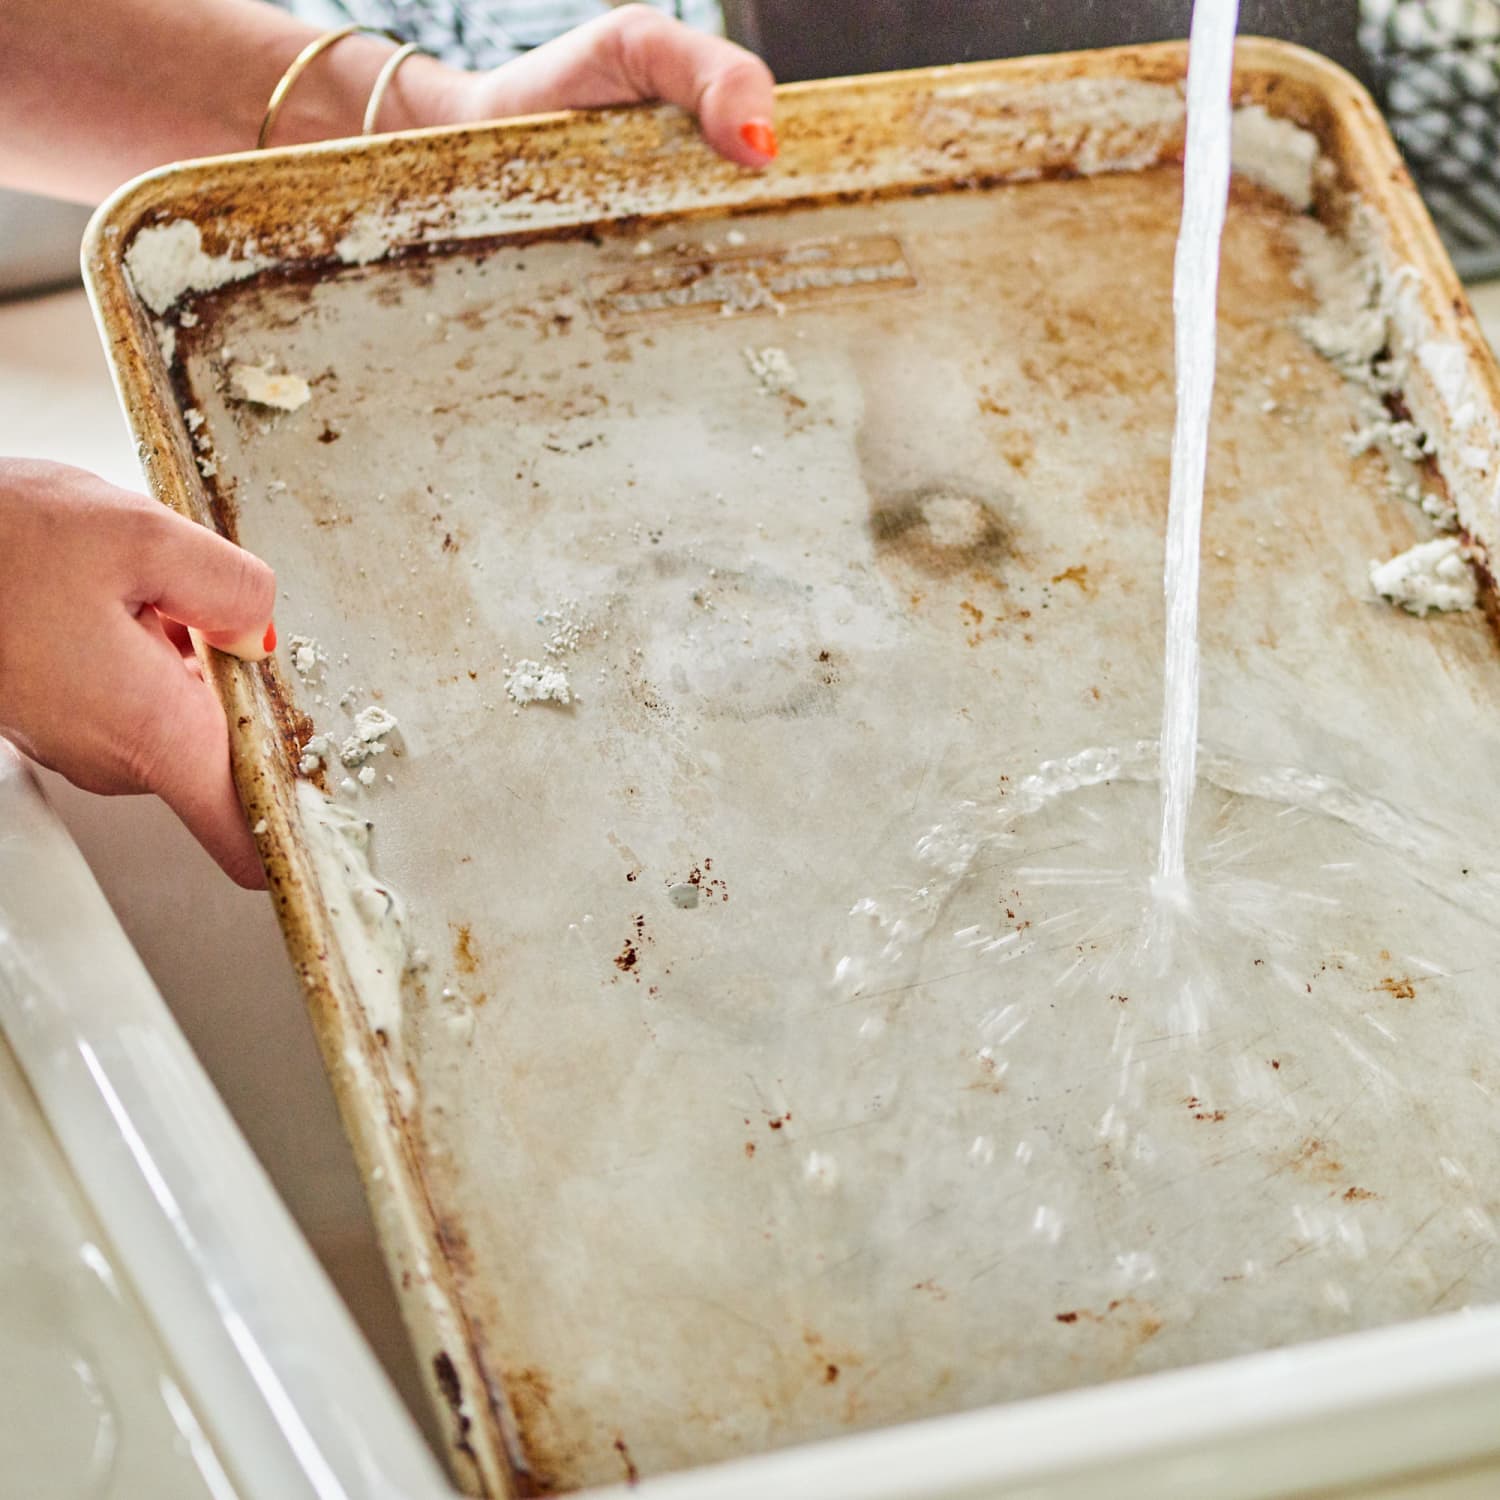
{"points": [[760, 137], [253, 647]]}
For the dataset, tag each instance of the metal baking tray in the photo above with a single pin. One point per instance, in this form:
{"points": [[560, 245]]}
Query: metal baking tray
{"points": [[698, 1109]]}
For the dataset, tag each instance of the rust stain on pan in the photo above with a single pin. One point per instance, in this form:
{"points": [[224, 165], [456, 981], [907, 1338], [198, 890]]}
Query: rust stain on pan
{"points": [[447, 1380], [941, 530]]}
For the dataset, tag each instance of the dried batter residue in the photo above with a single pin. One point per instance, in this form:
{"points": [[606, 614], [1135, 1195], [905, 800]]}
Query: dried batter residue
{"points": [[368, 918], [567, 628], [531, 682], [771, 368], [1432, 575], [165, 261], [371, 727], [307, 656], [260, 386]]}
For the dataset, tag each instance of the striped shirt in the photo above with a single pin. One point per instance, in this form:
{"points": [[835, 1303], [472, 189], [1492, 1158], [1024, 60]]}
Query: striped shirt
{"points": [[484, 33]]}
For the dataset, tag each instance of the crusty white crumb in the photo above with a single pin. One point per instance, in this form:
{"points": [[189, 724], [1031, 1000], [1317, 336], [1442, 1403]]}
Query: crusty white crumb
{"points": [[317, 750], [307, 655], [258, 385], [773, 371], [371, 727], [531, 682], [1432, 575]]}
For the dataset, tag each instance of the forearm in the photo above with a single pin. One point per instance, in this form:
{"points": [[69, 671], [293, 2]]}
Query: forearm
{"points": [[93, 92]]}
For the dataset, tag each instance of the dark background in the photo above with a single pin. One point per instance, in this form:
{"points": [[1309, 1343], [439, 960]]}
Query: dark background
{"points": [[828, 38]]}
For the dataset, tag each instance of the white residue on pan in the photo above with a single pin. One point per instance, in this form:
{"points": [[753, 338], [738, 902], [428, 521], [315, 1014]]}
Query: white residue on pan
{"points": [[317, 749], [202, 440], [1432, 575], [1094, 124], [465, 213], [308, 657], [166, 261], [535, 682], [368, 239], [1413, 390], [369, 920], [372, 727], [1276, 154], [1473, 464], [1097, 124], [755, 287], [1355, 303], [261, 386], [566, 629], [773, 370]]}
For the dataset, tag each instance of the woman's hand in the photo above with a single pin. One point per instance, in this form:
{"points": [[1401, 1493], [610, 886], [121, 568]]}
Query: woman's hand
{"points": [[635, 54], [90, 95], [97, 677]]}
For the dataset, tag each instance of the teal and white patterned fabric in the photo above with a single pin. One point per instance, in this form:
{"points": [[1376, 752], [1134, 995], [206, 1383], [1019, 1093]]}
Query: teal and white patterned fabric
{"points": [[484, 33]]}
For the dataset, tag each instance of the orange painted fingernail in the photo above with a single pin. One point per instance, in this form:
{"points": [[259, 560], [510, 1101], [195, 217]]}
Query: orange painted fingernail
{"points": [[268, 645], [760, 137]]}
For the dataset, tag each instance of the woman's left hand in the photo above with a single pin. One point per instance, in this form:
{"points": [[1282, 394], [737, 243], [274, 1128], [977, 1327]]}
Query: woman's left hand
{"points": [[632, 55]]}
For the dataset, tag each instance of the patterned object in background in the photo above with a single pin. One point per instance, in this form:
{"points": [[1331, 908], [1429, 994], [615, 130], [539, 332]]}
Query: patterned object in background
{"points": [[1436, 69], [484, 33]]}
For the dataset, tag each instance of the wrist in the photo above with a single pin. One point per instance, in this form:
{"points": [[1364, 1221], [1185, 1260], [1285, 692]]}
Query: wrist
{"points": [[328, 101]]}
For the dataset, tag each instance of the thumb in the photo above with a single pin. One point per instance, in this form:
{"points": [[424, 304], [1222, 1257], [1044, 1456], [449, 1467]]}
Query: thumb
{"points": [[636, 53], [195, 577], [730, 90], [188, 768]]}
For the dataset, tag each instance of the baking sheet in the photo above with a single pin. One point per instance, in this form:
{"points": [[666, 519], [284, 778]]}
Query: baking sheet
{"points": [[717, 1113]]}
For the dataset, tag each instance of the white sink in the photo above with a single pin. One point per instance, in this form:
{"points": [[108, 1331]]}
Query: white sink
{"points": [[167, 1331]]}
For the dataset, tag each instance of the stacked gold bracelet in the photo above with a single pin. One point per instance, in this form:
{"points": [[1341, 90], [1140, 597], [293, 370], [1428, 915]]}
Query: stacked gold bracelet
{"points": [[314, 50]]}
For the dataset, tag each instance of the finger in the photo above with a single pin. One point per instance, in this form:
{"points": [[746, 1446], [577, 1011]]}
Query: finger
{"points": [[197, 578], [189, 770], [731, 91], [635, 54]]}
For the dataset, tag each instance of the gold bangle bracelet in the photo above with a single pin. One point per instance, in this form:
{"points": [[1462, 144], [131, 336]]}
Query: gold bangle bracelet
{"points": [[299, 65], [383, 82]]}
